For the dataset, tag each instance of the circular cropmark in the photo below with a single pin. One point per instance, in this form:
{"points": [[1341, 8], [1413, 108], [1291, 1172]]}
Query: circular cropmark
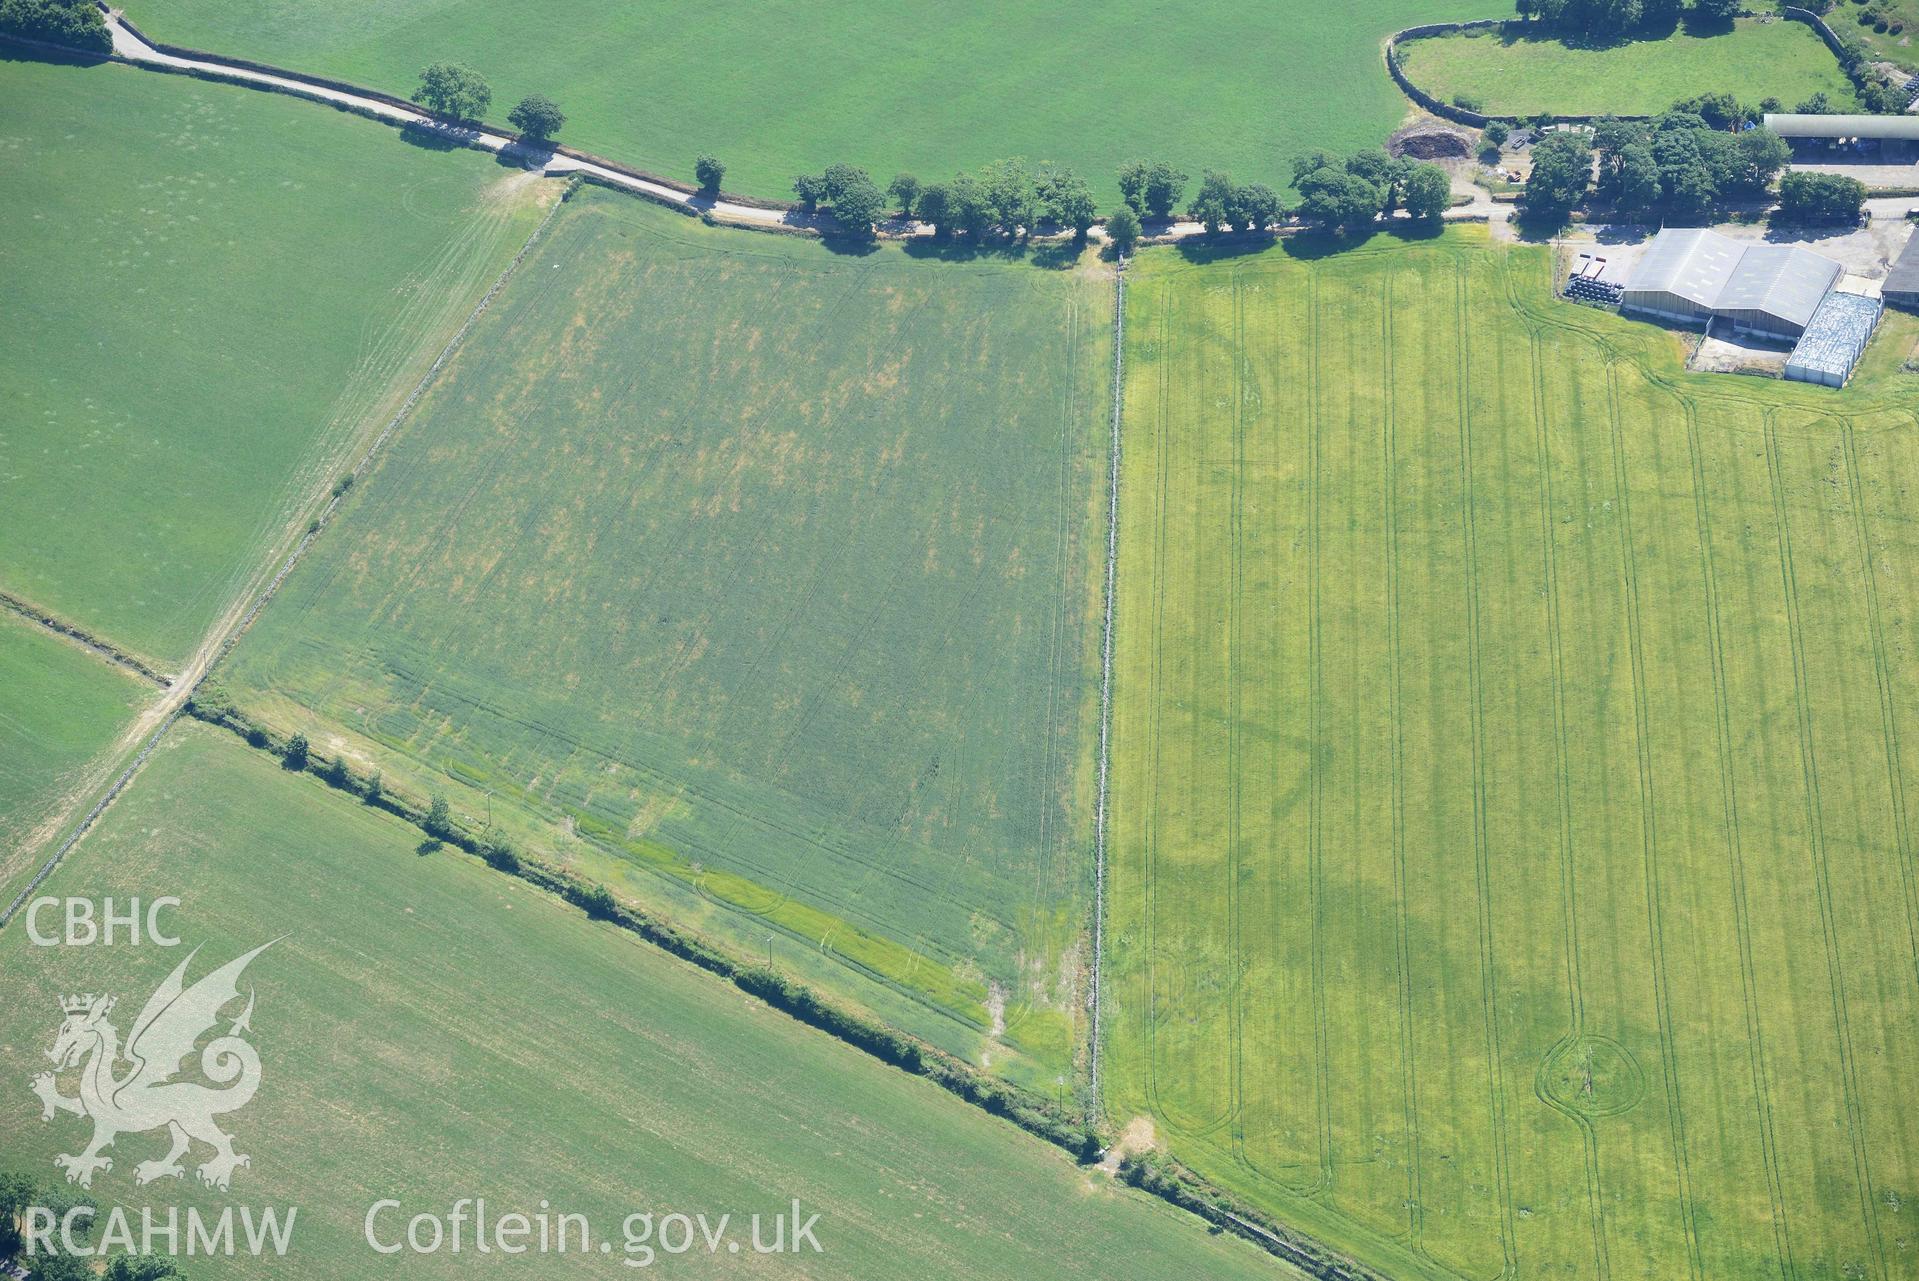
{"points": [[1592, 1076]]}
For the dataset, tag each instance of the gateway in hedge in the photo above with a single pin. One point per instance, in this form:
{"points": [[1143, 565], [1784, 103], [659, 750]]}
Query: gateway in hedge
{"points": [[1693, 274]]}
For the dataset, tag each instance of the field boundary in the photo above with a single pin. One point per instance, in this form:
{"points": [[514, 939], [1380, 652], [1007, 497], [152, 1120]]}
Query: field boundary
{"points": [[182, 693], [1848, 60], [1106, 665], [78, 635], [1464, 115], [1080, 1135]]}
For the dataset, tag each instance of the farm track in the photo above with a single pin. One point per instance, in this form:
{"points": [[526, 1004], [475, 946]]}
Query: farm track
{"points": [[1735, 853], [1476, 715], [1315, 719], [1402, 924], [1881, 667], [1102, 793], [1816, 837], [1649, 832], [152, 725], [1562, 787]]}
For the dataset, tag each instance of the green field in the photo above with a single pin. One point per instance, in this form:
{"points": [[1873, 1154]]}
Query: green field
{"points": [[401, 1058], [206, 294], [777, 89], [59, 707], [761, 574], [1524, 75], [1512, 872], [1884, 27]]}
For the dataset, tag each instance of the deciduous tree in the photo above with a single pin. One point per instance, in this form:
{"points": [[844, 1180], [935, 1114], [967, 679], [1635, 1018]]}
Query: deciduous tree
{"points": [[1429, 192], [1212, 205], [1064, 198], [1561, 174], [453, 89], [905, 190], [537, 117]]}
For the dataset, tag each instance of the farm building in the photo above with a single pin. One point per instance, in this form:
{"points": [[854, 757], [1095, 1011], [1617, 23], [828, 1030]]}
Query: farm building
{"points": [[1881, 129], [1691, 273], [1901, 288], [1834, 340]]}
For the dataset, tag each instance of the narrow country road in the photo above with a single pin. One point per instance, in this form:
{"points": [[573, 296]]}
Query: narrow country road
{"points": [[129, 44], [132, 46]]}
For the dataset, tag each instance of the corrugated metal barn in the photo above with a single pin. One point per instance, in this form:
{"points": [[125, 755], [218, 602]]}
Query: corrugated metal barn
{"points": [[1792, 127], [1691, 273], [1902, 282]]}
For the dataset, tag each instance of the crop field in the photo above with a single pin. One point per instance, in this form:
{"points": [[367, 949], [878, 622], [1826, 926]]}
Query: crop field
{"points": [[401, 1059], [775, 90], [1512, 869], [59, 706], [1524, 75], [205, 297], [722, 555]]}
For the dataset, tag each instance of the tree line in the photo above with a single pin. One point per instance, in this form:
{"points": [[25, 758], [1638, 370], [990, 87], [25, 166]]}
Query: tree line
{"points": [[78, 24], [1682, 165], [1010, 198], [1619, 18], [458, 92]]}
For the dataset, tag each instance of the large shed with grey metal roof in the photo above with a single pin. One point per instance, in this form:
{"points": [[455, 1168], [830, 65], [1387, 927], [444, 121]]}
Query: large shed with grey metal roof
{"points": [[1691, 273]]}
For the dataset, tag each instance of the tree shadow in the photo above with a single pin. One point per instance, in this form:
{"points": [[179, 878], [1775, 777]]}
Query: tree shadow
{"points": [[964, 249], [435, 137], [11, 52], [849, 244], [525, 155], [1225, 245], [1705, 25], [1539, 226], [1058, 255], [1623, 233]]}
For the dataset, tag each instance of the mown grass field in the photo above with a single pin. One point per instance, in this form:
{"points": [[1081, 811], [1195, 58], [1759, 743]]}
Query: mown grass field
{"points": [[1523, 75], [1884, 27], [762, 576], [401, 1058], [206, 294], [779, 89], [1512, 868], [59, 706]]}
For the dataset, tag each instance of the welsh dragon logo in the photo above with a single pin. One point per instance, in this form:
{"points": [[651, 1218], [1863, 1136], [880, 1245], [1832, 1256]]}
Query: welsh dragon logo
{"points": [[143, 1095]]}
